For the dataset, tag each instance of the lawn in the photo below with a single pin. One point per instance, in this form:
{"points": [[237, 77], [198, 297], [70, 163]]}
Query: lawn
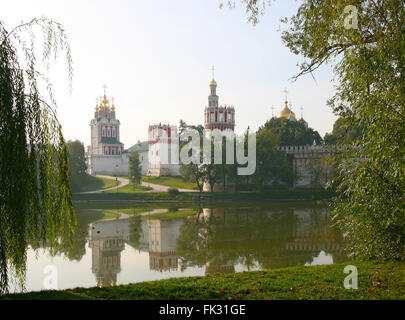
{"points": [[92, 183], [129, 189], [169, 181], [375, 281]]}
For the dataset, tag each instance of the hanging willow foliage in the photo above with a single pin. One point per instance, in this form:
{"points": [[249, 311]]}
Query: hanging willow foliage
{"points": [[35, 198]]}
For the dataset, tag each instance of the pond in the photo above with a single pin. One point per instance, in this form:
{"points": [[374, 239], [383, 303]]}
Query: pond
{"points": [[127, 243]]}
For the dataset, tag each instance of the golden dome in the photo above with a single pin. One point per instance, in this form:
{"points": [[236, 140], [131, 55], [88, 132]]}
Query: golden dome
{"points": [[213, 83], [286, 113]]}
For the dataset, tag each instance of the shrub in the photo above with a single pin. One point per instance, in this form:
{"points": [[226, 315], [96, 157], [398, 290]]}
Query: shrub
{"points": [[173, 191]]}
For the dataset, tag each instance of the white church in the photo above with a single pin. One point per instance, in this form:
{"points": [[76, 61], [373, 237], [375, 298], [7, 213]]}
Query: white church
{"points": [[107, 156]]}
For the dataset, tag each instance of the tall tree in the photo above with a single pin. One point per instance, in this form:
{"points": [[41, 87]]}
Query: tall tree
{"points": [[77, 163], [135, 168], [290, 133], [35, 197], [343, 132], [365, 40]]}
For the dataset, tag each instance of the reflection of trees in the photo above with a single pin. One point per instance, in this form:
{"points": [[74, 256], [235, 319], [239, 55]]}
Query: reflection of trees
{"points": [[135, 230], [78, 248], [251, 236]]}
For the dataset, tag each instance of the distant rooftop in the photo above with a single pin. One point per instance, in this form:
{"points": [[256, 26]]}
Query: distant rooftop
{"points": [[140, 146]]}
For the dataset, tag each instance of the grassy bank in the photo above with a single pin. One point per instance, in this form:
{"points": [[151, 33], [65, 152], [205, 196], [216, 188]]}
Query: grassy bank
{"points": [[92, 183], [375, 281], [170, 181], [302, 194]]}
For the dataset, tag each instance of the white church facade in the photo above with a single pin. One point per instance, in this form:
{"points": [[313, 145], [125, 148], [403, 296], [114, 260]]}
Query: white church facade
{"points": [[105, 155]]}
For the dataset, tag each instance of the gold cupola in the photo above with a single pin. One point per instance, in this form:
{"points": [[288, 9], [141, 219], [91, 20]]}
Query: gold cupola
{"points": [[286, 113]]}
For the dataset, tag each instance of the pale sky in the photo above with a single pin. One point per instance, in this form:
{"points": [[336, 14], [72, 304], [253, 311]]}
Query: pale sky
{"points": [[155, 58]]}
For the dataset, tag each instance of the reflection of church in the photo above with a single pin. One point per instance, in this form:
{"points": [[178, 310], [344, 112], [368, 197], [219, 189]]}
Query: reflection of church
{"points": [[162, 244], [107, 241]]}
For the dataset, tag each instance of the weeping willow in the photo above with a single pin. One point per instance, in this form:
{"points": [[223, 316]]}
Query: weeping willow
{"points": [[35, 197]]}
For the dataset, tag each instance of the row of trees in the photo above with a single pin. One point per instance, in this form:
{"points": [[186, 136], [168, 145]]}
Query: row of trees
{"points": [[273, 169]]}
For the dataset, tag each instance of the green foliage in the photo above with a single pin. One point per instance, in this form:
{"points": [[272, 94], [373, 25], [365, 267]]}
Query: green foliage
{"points": [[135, 169], [343, 132], [173, 191], [272, 166], [77, 164], [285, 132], [369, 67], [370, 208], [35, 197]]}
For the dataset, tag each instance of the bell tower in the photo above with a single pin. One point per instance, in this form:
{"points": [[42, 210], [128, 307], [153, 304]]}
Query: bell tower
{"points": [[218, 117]]}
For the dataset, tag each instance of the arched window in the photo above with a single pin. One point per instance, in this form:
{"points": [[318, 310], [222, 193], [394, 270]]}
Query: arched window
{"points": [[108, 132], [113, 132], [103, 134]]}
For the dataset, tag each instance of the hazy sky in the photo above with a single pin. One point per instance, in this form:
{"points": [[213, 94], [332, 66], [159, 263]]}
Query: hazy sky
{"points": [[156, 56]]}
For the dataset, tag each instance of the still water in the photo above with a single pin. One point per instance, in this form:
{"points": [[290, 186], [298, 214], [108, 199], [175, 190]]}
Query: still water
{"points": [[134, 244]]}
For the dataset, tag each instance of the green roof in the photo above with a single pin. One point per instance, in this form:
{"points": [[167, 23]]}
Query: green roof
{"points": [[110, 141]]}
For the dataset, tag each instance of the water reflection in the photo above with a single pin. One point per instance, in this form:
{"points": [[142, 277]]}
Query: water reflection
{"points": [[135, 248], [107, 242], [162, 244], [217, 240]]}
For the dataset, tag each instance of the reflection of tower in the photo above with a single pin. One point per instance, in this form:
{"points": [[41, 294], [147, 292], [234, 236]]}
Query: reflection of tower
{"points": [[107, 241], [162, 244]]}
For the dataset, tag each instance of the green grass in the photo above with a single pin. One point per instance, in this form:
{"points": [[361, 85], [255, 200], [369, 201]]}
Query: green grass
{"points": [[375, 281], [93, 183], [129, 189], [170, 181]]}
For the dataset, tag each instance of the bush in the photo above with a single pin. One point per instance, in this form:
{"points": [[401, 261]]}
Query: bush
{"points": [[173, 191]]}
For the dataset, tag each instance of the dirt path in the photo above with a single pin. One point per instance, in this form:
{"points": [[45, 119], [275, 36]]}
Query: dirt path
{"points": [[161, 188]]}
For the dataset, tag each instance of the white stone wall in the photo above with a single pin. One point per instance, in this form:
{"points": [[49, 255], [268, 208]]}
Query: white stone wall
{"points": [[107, 165], [143, 158]]}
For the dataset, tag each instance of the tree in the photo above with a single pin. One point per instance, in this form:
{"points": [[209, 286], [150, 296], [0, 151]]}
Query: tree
{"points": [[77, 163], [35, 196], [193, 172], [291, 133], [343, 132], [366, 43], [135, 169], [272, 166]]}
